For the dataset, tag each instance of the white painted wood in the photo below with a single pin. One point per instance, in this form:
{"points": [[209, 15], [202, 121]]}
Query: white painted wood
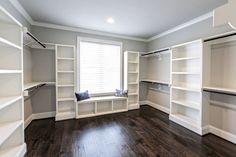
{"points": [[186, 80], [65, 82], [131, 74], [100, 106], [11, 82]]}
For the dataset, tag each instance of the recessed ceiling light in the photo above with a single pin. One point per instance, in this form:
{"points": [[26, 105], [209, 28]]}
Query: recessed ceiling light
{"points": [[110, 20]]}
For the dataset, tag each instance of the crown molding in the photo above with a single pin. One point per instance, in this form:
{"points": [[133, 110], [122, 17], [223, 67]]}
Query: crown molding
{"points": [[19, 7], [182, 26]]}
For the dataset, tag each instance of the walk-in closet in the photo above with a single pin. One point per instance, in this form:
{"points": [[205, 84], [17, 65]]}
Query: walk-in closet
{"points": [[117, 78]]}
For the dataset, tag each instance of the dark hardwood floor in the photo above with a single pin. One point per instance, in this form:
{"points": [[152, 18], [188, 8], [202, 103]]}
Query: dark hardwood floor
{"points": [[143, 133]]}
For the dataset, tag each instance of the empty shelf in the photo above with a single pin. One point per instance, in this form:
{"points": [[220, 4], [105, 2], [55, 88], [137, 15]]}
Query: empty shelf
{"points": [[186, 119], [185, 73], [64, 58], [66, 85], [132, 94], [7, 43], [155, 81], [186, 103], [5, 101], [10, 71], [185, 58], [107, 98], [65, 71], [133, 83], [132, 62], [6, 129], [220, 90], [187, 89], [65, 99]]}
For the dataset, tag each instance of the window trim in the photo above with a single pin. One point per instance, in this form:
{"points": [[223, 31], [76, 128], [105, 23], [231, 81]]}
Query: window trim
{"points": [[99, 41]]}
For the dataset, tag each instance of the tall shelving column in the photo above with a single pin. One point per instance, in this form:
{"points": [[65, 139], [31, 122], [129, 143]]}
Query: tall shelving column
{"points": [[186, 84], [11, 82], [65, 82], [131, 78]]}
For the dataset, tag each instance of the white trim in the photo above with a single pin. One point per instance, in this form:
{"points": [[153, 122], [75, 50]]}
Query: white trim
{"points": [[43, 115], [19, 7], [223, 134], [28, 121], [36, 116], [156, 106], [182, 26]]}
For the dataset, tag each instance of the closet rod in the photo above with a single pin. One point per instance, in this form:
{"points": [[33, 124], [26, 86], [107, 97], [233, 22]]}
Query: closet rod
{"points": [[224, 93], [157, 51], [43, 45], [219, 37]]}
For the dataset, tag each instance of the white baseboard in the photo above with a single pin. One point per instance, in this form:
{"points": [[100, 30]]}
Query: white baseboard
{"points": [[38, 116], [133, 107], [223, 134], [156, 106], [28, 120]]}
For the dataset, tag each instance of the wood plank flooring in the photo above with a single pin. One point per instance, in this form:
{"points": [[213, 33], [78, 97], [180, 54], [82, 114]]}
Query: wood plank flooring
{"points": [[141, 133]]}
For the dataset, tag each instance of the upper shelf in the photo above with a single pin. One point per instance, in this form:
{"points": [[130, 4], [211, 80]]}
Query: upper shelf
{"points": [[31, 41], [36, 84], [220, 90], [155, 81]]}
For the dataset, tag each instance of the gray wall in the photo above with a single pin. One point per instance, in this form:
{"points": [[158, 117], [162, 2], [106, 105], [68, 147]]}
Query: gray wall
{"points": [[70, 37], [199, 30]]}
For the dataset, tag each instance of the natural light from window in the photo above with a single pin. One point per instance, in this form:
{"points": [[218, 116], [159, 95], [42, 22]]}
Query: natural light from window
{"points": [[99, 67]]}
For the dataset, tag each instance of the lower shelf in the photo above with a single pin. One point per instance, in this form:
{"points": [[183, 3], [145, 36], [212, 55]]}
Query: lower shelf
{"points": [[17, 151], [187, 122], [65, 115]]}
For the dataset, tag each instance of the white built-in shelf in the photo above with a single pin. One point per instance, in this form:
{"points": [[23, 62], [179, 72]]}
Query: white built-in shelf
{"points": [[64, 58], [133, 83], [155, 81], [66, 85], [132, 94], [5, 101], [35, 84], [132, 62], [185, 58], [187, 89], [7, 43], [63, 71], [66, 99], [220, 90], [6, 129], [10, 71], [92, 99], [185, 73], [186, 103], [186, 119], [15, 151], [133, 72]]}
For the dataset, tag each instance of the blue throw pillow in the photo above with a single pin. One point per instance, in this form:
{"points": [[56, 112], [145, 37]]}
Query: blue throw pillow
{"points": [[121, 93], [82, 95]]}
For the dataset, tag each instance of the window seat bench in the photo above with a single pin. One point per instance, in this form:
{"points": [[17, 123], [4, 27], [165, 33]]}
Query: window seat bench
{"points": [[96, 106]]}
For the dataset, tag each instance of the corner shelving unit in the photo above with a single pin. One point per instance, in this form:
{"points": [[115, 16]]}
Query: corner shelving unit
{"points": [[11, 81], [131, 78], [186, 83], [65, 82]]}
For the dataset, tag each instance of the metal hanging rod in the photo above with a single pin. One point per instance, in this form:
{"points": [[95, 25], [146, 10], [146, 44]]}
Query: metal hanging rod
{"points": [[157, 51], [220, 37], [31, 35]]}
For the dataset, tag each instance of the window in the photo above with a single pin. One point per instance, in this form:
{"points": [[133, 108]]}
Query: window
{"points": [[99, 66]]}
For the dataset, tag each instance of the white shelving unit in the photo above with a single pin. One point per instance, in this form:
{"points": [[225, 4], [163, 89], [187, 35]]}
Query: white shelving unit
{"points": [[11, 81], [65, 82], [131, 78], [186, 84], [100, 106]]}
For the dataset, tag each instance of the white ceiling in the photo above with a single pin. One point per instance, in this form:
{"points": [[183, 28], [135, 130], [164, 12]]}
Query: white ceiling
{"points": [[135, 18]]}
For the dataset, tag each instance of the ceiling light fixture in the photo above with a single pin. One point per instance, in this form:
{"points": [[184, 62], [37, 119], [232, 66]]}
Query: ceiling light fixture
{"points": [[110, 20]]}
